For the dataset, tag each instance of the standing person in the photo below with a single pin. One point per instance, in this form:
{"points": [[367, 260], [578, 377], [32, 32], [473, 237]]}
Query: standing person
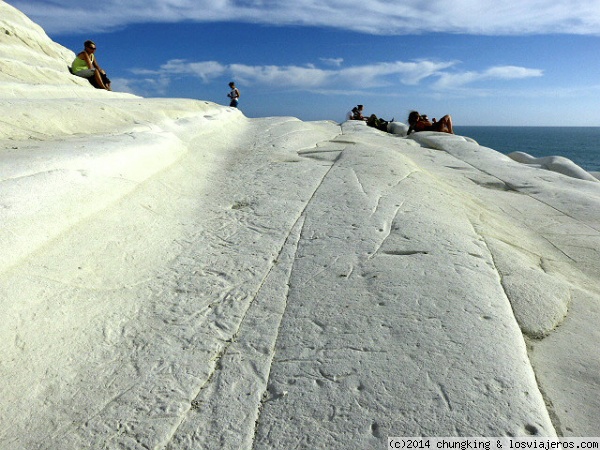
{"points": [[234, 95], [420, 122], [86, 66]]}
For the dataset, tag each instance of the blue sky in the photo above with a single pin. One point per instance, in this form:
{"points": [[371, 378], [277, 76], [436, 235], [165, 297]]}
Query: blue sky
{"points": [[533, 62]]}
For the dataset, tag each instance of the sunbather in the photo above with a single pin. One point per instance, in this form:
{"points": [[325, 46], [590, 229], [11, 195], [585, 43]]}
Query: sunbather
{"points": [[419, 122]]}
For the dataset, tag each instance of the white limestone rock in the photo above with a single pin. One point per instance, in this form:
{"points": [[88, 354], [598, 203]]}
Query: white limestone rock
{"points": [[558, 164], [180, 276]]}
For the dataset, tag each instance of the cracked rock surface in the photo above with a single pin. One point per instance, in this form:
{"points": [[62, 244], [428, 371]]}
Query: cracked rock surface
{"points": [[305, 284], [180, 276]]}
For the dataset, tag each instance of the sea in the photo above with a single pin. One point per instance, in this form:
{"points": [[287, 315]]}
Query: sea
{"points": [[579, 144]]}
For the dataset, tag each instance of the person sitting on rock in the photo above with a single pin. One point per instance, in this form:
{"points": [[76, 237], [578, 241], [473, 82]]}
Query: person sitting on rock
{"points": [[357, 113], [419, 122], [86, 66]]}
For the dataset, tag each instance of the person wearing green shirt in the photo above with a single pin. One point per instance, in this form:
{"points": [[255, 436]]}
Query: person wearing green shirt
{"points": [[86, 66]]}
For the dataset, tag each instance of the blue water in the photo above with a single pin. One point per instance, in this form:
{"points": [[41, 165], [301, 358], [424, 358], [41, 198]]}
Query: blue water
{"points": [[580, 144]]}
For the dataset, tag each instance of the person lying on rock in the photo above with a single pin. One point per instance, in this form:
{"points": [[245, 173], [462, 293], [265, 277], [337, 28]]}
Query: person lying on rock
{"points": [[419, 122], [378, 122], [86, 66]]}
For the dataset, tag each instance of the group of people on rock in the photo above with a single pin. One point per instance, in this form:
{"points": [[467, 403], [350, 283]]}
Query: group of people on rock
{"points": [[416, 121], [373, 121], [86, 66]]}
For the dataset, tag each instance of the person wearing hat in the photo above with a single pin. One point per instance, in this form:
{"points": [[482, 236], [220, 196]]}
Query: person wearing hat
{"points": [[86, 66]]}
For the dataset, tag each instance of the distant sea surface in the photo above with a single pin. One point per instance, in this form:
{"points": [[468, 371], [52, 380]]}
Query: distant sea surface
{"points": [[579, 144]]}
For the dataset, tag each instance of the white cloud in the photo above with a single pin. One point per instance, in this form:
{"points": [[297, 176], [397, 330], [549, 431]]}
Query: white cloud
{"points": [[512, 72], [147, 86], [383, 75], [365, 76], [336, 62], [285, 76], [456, 80], [485, 17], [206, 70], [410, 73], [308, 76]]}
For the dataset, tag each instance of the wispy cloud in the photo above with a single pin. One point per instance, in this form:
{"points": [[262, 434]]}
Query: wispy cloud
{"points": [[141, 86], [336, 62], [205, 70], [482, 17], [410, 73], [290, 76], [308, 76], [443, 75], [457, 80]]}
